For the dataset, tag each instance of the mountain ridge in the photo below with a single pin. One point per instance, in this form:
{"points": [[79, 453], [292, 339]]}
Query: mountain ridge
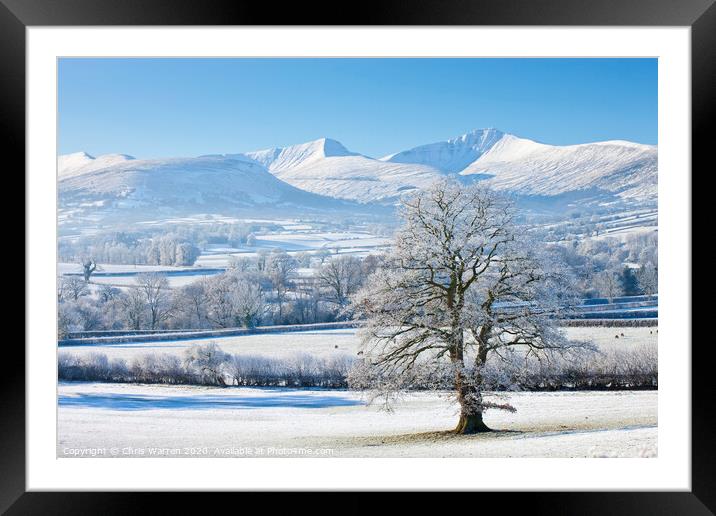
{"points": [[115, 189], [324, 175], [508, 162]]}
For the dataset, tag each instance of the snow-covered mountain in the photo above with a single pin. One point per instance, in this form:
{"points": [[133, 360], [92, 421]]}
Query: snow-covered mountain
{"points": [[120, 188], [323, 176], [627, 170], [613, 169], [326, 167], [452, 155]]}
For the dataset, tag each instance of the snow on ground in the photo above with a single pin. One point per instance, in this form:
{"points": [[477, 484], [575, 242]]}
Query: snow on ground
{"points": [[145, 420], [296, 241], [175, 280], [605, 338], [326, 343], [296, 238], [320, 343], [110, 268], [215, 422]]}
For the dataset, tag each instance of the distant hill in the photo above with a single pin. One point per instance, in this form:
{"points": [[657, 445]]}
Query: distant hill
{"points": [[116, 188]]}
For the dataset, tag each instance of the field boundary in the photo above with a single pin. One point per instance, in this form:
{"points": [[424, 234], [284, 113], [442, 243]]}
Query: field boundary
{"points": [[200, 334]]}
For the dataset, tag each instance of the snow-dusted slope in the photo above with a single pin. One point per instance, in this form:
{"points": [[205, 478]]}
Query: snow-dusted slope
{"points": [[518, 165], [452, 155], [109, 187], [81, 163], [278, 159], [326, 167]]}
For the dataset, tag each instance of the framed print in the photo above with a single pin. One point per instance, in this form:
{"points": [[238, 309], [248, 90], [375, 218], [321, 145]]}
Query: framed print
{"points": [[436, 248]]}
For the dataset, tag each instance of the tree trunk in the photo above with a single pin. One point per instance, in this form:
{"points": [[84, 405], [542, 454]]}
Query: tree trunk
{"points": [[470, 400], [469, 395], [471, 424]]}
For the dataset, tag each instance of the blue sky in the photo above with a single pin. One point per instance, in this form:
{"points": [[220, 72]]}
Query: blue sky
{"points": [[187, 107]]}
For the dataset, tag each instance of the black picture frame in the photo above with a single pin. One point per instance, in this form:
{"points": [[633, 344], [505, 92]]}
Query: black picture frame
{"points": [[16, 15]]}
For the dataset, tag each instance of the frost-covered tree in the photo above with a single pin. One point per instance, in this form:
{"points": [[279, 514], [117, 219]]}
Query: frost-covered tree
{"points": [[60, 289], [262, 259], [154, 288], [248, 303], [66, 320], [133, 307], [648, 279], [73, 287], [242, 264], [462, 283], [303, 259], [281, 268], [322, 254], [192, 300], [609, 284], [107, 293], [306, 305], [88, 315], [186, 253], [341, 276], [234, 300], [88, 267]]}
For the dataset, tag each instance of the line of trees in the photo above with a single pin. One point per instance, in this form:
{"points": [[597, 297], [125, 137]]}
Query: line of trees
{"points": [[611, 267], [123, 248], [265, 289]]}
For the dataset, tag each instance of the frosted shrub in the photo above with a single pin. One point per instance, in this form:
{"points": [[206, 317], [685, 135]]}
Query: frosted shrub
{"points": [[301, 370], [208, 361], [92, 367], [254, 370]]}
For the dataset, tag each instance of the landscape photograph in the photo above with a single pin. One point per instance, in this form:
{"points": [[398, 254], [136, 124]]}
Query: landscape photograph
{"points": [[357, 257]]}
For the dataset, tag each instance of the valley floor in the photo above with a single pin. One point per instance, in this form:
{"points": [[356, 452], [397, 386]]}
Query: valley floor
{"points": [[122, 420]]}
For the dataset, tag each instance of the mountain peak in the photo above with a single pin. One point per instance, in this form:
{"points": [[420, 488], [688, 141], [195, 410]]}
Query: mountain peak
{"points": [[480, 138], [279, 158], [332, 148], [453, 155]]}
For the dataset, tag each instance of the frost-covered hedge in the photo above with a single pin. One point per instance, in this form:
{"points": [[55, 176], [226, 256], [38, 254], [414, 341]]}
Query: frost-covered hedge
{"points": [[208, 365], [616, 369]]}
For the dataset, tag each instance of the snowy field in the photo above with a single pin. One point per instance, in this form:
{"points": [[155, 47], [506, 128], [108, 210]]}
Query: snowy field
{"points": [[166, 420], [327, 343], [107, 420], [295, 241]]}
